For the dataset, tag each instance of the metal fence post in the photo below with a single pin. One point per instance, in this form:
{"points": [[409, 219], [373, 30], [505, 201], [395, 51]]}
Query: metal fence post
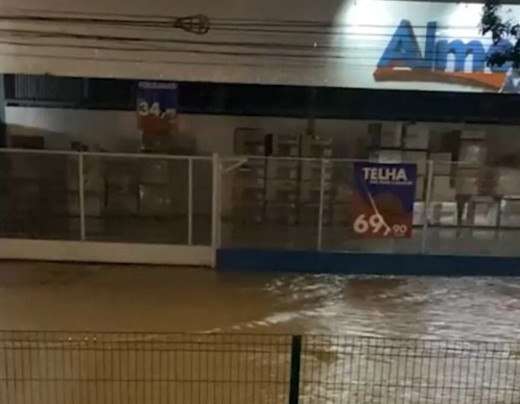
{"points": [[190, 201], [296, 358], [427, 197], [320, 209], [215, 207], [81, 190]]}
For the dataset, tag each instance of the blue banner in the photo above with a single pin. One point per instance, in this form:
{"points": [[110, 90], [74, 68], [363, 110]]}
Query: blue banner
{"points": [[383, 199], [156, 106]]}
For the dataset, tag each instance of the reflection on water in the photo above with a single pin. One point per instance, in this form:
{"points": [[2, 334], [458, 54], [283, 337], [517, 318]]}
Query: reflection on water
{"points": [[97, 297]]}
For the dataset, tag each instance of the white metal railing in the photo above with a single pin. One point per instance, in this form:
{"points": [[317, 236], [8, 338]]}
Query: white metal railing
{"points": [[220, 221], [464, 234], [81, 158]]}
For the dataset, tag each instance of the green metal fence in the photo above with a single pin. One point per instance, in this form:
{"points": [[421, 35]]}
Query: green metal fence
{"points": [[143, 368]]}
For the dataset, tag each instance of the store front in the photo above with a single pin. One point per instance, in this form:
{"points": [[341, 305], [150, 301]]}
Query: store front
{"points": [[402, 87]]}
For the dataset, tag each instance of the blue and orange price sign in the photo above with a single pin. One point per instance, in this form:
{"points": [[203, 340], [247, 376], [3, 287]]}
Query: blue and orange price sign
{"points": [[383, 200], [156, 106]]}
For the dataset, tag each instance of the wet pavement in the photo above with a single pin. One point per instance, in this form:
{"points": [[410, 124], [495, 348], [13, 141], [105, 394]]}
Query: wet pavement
{"points": [[52, 296]]}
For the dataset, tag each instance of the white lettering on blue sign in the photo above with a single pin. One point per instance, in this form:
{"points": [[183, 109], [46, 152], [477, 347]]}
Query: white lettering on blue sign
{"points": [[384, 174], [403, 51]]}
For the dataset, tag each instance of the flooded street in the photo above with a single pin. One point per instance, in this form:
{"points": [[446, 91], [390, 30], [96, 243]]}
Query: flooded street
{"points": [[51, 296]]}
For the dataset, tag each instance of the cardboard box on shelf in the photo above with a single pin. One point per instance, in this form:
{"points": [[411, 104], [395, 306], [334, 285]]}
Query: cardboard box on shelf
{"points": [[121, 204], [248, 193], [25, 167], [287, 145], [416, 137], [473, 152], [247, 177], [25, 196], [155, 200], [485, 211], [281, 213], [249, 141], [467, 182], [418, 214], [468, 134], [249, 213], [441, 157], [93, 177], [123, 184], [251, 148], [93, 204], [418, 157], [310, 191], [255, 166], [310, 212], [510, 213], [442, 163], [317, 147], [387, 134], [387, 156], [341, 214], [311, 170], [284, 169], [444, 213], [25, 141], [442, 189], [282, 191], [155, 171], [343, 193], [508, 181]]}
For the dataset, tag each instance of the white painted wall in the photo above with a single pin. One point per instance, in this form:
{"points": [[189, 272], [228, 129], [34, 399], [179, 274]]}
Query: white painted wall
{"points": [[112, 130], [120, 253], [117, 130]]}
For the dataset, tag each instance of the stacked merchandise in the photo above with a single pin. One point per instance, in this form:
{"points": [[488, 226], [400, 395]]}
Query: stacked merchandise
{"points": [[416, 139], [121, 197], [473, 186], [283, 180], [249, 181], [319, 149], [156, 106], [443, 193], [25, 182], [155, 188], [394, 143], [283, 188], [472, 155], [507, 189], [37, 199]]}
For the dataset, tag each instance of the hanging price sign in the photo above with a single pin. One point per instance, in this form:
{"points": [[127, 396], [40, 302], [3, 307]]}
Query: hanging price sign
{"points": [[156, 106], [383, 200]]}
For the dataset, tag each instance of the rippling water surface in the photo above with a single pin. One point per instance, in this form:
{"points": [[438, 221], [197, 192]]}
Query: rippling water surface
{"points": [[97, 297]]}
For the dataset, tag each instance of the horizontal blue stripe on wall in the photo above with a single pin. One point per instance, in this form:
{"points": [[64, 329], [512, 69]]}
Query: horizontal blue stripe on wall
{"points": [[365, 264]]}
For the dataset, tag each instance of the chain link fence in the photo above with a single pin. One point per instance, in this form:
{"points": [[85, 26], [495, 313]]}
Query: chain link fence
{"points": [[99, 368]]}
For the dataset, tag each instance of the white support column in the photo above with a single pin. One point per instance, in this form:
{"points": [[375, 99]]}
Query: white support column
{"points": [[321, 207], [427, 198], [81, 189], [190, 201]]}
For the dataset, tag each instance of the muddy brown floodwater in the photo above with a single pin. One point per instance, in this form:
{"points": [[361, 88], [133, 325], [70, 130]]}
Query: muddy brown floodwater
{"points": [[244, 354], [51, 296]]}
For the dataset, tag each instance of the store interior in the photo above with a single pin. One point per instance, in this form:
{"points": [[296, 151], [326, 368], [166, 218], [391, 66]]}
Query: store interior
{"points": [[475, 181]]}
